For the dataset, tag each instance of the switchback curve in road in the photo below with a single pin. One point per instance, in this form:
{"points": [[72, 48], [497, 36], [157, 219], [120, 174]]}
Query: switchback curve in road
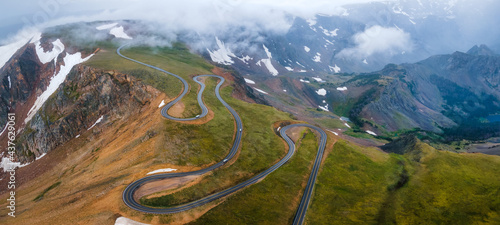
{"points": [[128, 193]]}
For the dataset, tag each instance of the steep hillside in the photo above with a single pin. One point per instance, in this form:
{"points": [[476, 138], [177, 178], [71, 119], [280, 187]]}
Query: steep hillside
{"points": [[437, 94]]}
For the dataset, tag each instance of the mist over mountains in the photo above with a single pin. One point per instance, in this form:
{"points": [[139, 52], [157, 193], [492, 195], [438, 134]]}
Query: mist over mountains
{"points": [[362, 35]]}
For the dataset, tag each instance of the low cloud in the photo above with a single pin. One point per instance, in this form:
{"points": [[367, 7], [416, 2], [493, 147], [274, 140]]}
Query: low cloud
{"points": [[378, 40]]}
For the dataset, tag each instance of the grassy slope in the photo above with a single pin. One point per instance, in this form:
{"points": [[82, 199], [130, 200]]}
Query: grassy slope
{"points": [[208, 142], [260, 148], [450, 188], [352, 187], [443, 188], [273, 200], [177, 60]]}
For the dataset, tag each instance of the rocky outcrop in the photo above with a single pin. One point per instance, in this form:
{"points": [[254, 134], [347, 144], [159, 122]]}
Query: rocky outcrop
{"points": [[86, 96], [23, 76]]}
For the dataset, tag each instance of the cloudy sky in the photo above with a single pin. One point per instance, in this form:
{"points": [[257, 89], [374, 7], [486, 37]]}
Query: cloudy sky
{"points": [[194, 14], [474, 17]]}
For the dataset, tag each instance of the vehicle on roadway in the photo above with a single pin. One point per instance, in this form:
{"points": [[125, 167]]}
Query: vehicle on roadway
{"points": [[241, 129], [224, 161], [197, 116]]}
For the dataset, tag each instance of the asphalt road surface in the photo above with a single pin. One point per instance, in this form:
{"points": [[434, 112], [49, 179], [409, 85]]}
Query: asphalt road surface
{"points": [[128, 193]]}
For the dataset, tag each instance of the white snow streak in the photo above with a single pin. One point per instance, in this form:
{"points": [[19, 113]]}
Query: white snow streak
{"points": [[161, 171], [307, 49], [56, 81], [96, 122], [324, 108], [371, 132], [162, 103], [289, 68], [347, 125], [318, 79], [342, 89], [261, 91], [267, 62], [126, 221], [249, 81], [334, 132], [10, 84], [305, 81]]}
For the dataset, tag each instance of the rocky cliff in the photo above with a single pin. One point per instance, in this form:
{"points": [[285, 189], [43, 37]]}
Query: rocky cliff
{"points": [[88, 97]]}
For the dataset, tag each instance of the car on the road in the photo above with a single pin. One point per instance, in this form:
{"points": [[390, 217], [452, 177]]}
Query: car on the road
{"points": [[197, 116], [241, 129], [224, 161]]}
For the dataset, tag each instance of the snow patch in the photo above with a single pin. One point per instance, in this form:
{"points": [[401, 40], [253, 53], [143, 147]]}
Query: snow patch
{"points": [[56, 81], [45, 57], [77, 136], [6, 164], [311, 22], [347, 125], [365, 62], [223, 55], [335, 68], [126, 221], [332, 33], [371, 132], [307, 49], [119, 33], [245, 59], [106, 26], [334, 132], [261, 91], [342, 89], [161, 104], [249, 81], [161, 171], [289, 68], [284, 90], [96, 122], [321, 92], [10, 84], [41, 156], [268, 53], [318, 79], [324, 108], [317, 57], [305, 81], [267, 62]]}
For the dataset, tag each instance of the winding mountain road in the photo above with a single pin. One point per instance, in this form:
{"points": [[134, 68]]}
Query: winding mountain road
{"points": [[128, 193]]}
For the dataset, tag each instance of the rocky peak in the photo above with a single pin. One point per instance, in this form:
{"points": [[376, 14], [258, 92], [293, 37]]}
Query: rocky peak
{"points": [[481, 50]]}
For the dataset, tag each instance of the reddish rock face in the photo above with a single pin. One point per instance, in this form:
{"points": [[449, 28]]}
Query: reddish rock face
{"points": [[85, 96]]}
